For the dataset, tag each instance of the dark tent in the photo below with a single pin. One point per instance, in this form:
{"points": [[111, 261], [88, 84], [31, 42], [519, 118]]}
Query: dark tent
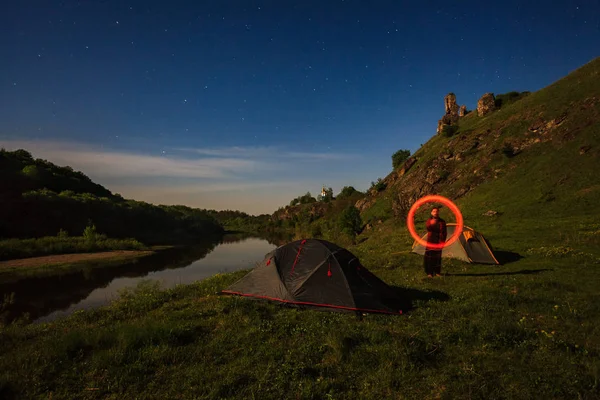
{"points": [[318, 273]]}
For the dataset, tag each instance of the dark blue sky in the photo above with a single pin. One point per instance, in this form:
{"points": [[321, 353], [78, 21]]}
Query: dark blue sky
{"points": [[246, 104]]}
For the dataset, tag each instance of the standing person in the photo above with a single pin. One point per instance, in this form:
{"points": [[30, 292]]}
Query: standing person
{"points": [[436, 233]]}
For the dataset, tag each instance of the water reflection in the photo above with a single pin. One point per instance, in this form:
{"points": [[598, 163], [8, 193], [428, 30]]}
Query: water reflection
{"points": [[48, 297]]}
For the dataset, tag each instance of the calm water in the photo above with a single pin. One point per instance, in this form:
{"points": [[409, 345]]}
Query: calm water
{"points": [[50, 297]]}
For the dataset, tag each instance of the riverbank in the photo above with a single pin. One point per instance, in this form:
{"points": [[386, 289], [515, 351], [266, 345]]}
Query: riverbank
{"points": [[73, 258], [11, 249], [526, 329]]}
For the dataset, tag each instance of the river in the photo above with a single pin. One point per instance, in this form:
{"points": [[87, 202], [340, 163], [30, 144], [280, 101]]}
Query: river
{"points": [[46, 298]]}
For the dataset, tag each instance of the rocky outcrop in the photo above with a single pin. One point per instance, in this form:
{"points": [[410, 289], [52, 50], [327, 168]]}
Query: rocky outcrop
{"points": [[407, 165], [451, 115], [440, 127], [365, 203], [462, 111], [450, 104], [486, 104]]}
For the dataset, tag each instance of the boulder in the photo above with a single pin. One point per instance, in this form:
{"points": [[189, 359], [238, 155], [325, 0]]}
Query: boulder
{"points": [[462, 111]]}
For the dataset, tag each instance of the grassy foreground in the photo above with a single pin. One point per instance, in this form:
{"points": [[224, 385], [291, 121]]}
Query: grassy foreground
{"points": [[526, 329]]}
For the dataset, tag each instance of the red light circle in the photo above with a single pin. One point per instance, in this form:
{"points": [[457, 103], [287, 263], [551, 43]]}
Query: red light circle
{"points": [[434, 199]]}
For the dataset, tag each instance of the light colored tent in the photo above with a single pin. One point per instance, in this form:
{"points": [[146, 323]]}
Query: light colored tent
{"points": [[470, 247]]}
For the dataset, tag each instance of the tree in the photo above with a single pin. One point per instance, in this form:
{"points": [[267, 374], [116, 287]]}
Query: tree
{"points": [[90, 234], [347, 191], [350, 221], [31, 171], [307, 199], [399, 157]]}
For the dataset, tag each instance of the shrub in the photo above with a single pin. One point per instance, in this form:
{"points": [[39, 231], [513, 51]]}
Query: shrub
{"points": [[31, 171], [350, 221], [507, 98], [508, 150], [90, 234], [449, 130], [399, 157], [347, 191], [378, 186]]}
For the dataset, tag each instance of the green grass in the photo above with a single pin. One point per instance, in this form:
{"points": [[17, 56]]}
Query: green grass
{"points": [[23, 248], [527, 329]]}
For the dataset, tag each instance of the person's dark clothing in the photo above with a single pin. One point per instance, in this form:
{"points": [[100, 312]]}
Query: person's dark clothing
{"points": [[436, 233]]}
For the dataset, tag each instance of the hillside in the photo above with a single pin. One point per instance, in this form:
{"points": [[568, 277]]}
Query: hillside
{"points": [[533, 162], [39, 198], [538, 154]]}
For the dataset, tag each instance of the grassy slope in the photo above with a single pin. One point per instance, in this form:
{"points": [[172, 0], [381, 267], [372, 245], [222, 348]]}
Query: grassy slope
{"points": [[526, 329]]}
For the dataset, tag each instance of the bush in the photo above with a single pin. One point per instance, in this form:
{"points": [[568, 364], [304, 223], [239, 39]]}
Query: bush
{"points": [[399, 157], [305, 199], [90, 233], [507, 98], [378, 186], [350, 222], [449, 130], [31, 171], [62, 234], [346, 192], [508, 150]]}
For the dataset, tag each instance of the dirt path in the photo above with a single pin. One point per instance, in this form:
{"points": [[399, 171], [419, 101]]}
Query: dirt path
{"points": [[71, 258]]}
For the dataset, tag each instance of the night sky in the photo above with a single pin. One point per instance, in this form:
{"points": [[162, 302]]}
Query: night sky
{"points": [[248, 104]]}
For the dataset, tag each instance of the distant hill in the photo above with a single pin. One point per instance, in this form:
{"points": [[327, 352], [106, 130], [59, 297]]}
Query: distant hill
{"points": [[535, 158], [39, 198]]}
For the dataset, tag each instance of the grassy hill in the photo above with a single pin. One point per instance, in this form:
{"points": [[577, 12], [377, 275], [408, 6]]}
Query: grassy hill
{"points": [[534, 161], [529, 328], [40, 199]]}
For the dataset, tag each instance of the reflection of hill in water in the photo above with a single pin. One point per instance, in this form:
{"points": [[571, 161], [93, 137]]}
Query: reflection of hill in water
{"points": [[276, 239], [40, 296]]}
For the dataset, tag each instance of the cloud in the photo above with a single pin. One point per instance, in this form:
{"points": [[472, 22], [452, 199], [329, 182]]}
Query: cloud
{"points": [[105, 163], [210, 187], [258, 152], [252, 179]]}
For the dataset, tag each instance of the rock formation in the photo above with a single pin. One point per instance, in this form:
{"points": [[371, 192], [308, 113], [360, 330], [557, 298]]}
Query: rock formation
{"points": [[450, 104], [462, 111], [486, 104], [451, 115]]}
